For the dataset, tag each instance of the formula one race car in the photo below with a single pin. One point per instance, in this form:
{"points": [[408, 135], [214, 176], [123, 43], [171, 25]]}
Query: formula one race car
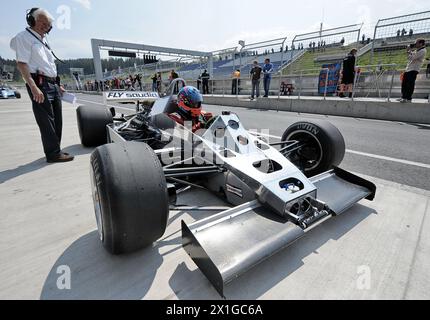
{"points": [[7, 92], [278, 191]]}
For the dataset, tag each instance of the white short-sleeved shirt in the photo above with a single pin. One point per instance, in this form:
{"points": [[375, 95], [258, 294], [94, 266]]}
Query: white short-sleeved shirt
{"points": [[31, 51], [416, 60]]}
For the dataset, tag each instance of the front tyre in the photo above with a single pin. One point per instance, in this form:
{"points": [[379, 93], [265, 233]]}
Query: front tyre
{"points": [[322, 144], [92, 123], [130, 196]]}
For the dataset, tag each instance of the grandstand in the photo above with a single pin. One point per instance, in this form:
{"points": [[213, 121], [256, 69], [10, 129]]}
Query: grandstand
{"points": [[310, 62], [299, 63]]}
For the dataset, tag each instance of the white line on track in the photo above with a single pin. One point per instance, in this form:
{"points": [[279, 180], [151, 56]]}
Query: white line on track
{"points": [[370, 155], [411, 163]]}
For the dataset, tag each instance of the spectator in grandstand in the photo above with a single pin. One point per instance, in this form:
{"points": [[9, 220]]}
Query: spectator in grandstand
{"points": [[267, 71], [286, 48], [255, 74], [342, 41], [415, 61], [205, 81], [398, 33], [235, 83], [411, 32], [403, 32], [348, 74], [154, 82], [363, 39]]}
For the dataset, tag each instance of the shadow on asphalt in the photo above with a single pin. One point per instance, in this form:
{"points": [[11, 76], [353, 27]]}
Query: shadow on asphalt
{"points": [[96, 274], [38, 164], [22, 170]]}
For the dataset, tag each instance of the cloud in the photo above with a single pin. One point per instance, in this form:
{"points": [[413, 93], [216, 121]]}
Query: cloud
{"points": [[85, 3]]}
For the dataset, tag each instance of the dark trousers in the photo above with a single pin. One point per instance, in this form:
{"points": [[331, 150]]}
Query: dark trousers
{"points": [[235, 86], [49, 118], [255, 88], [267, 85], [408, 84], [205, 87]]}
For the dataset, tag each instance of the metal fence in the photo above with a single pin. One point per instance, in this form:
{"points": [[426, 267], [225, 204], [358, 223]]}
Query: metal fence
{"points": [[371, 81], [392, 35], [380, 82]]}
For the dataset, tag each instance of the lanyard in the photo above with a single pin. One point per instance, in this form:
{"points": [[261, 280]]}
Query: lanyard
{"points": [[45, 44]]}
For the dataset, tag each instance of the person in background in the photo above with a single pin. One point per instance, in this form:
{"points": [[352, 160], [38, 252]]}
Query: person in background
{"points": [[428, 69], [235, 83], [416, 57], [255, 75], [348, 74], [205, 80], [267, 71], [154, 82], [159, 82], [173, 75], [199, 81]]}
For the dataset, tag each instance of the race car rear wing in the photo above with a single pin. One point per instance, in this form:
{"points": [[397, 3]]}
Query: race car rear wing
{"points": [[130, 96]]}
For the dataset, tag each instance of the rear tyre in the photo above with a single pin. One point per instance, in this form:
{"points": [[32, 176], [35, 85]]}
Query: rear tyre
{"points": [[92, 123], [130, 196], [324, 146], [17, 95]]}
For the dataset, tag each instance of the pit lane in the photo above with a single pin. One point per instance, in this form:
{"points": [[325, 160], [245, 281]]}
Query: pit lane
{"points": [[47, 221]]}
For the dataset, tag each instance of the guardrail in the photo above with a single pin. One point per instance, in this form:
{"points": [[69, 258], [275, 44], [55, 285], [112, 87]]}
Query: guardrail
{"points": [[380, 81]]}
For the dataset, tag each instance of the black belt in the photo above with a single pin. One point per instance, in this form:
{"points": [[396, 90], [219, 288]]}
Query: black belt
{"points": [[40, 78]]}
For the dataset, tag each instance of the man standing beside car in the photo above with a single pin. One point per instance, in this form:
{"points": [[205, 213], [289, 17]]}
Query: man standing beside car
{"points": [[36, 62]]}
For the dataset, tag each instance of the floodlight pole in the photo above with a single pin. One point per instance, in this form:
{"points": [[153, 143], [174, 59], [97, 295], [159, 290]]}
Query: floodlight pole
{"points": [[242, 45], [373, 43]]}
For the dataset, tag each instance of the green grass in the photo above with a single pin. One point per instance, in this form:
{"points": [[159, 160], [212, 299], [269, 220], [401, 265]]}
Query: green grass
{"points": [[385, 57], [398, 57], [307, 62]]}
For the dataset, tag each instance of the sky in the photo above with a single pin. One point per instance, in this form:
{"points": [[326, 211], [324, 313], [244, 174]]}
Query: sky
{"points": [[191, 24]]}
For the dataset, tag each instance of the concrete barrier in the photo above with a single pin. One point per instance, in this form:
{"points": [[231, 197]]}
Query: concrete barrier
{"points": [[392, 111]]}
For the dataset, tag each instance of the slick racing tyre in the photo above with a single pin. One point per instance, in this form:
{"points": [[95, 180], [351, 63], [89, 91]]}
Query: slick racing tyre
{"points": [[92, 123], [130, 196], [322, 148], [17, 95]]}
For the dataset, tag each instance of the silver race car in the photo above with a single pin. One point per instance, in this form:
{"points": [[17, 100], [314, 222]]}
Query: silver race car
{"points": [[277, 191]]}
